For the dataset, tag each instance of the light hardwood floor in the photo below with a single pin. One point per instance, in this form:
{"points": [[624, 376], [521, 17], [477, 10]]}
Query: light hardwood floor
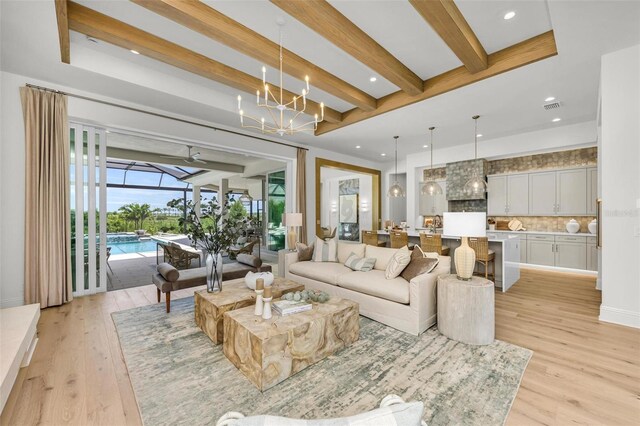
{"points": [[582, 371]]}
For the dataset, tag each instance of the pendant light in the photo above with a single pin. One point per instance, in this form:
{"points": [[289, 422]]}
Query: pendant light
{"points": [[431, 187], [476, 185], [396, 189]]}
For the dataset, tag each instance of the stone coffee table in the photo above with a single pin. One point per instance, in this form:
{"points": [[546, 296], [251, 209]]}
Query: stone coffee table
{"points": [[210, 307], [270, 351]]}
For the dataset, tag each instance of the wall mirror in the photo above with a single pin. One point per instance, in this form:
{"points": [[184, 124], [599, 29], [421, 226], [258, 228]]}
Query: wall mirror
{"points": [[347, 200]]}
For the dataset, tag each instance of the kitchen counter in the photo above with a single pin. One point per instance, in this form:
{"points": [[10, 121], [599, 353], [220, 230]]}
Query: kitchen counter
{"points": [[505, 245]]}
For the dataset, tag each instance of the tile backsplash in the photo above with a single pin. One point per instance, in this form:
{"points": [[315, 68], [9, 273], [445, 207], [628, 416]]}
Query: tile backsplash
{"points": [[548, 223]]}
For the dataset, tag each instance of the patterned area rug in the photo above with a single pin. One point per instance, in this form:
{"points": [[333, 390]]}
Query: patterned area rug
{"points": [[180, 377]]}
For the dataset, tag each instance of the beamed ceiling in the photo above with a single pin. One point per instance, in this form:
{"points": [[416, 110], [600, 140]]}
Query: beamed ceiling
{"points": [[403, 81]]}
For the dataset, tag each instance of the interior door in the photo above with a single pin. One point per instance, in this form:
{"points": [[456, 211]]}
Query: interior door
{"points": [[88, 209]]}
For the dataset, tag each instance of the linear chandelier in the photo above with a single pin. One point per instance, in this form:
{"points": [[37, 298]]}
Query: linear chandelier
{"points": [[283, 115]]}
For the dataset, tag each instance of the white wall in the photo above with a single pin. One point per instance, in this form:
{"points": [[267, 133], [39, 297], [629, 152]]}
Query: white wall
{"points": [[12, 171], [620, 174]]}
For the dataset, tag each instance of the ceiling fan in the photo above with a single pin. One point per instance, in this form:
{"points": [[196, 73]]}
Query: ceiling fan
{"points": [[190, 158]]}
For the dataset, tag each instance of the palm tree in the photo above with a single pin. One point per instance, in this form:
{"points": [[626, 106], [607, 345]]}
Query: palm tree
{"points": [[136, 212]]}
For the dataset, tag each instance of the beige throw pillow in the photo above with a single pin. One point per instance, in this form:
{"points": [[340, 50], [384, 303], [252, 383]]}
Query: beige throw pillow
{"points": [[419, 265], [398, 262], [325, 250], [429, 254], [305, 252]]}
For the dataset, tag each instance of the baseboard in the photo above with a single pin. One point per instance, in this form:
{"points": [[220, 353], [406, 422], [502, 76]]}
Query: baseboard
{"points": [[559, 269], [11, 302], [620, 316]]}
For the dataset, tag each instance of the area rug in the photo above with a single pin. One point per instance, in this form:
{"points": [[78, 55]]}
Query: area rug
{"points": [[180, 377]]}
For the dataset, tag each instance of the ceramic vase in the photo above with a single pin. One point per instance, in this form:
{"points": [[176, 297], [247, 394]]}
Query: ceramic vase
{"points": [[593, 226], [573, 226], [213, 263]]}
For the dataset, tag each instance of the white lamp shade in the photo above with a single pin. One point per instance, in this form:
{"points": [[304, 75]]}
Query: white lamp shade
{"points": [[465, 224], [292, 219]]}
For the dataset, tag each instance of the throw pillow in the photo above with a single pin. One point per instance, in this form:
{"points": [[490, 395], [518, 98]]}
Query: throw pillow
{"points": [[429, 254], [418, 265], [325, 250], [249, 259], [364, 264], [305, 252], [398, 262], [168, 272]]}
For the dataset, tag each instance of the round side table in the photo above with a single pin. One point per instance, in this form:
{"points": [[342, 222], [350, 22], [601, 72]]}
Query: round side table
{"points": [[466, 309]]}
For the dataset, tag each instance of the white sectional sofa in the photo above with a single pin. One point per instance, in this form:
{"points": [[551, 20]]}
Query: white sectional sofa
{"points": [[406, 306]]}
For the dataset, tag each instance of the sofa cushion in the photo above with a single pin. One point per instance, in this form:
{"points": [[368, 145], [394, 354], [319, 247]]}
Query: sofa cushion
{"points": [[382, 255], [305, 252], [346, 248], [168, 272], [419, 265], [325, 250], [356, 263], [327, 272], [398, 262], [249, 259], [375, 284]]}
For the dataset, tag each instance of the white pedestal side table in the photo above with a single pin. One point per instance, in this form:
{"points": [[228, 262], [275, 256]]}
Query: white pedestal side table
{"points": [[466, 309]]}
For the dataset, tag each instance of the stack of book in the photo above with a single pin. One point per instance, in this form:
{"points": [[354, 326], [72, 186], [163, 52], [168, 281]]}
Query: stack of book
{"points": [[288, 307]]}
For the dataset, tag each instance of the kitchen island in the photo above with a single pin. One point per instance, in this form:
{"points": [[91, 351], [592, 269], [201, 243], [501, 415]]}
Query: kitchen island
{"points": [[506, 248]]}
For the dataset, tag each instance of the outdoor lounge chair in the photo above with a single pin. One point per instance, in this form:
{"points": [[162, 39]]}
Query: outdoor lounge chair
{"points": [[246, 248], [180, 256]]}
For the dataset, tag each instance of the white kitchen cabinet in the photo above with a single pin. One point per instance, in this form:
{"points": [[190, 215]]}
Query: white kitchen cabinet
{"points": [[518, 195], [540, 250], [571, 255], [497, 195], [542, 194], [523, 249], [592, 190], [592, 257], [431, 205], [571, 192]]}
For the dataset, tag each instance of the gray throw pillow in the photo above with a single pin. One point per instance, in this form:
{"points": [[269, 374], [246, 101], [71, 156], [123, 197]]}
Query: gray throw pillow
{"points": [[364, 264], [418, 265], [305, 252], [168, 272], [249, 259]]}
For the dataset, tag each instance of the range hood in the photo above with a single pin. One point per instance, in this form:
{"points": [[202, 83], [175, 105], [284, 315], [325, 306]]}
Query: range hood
{"points": [[458, 174]]}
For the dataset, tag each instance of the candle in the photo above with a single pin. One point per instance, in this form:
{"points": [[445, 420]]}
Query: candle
{"points": [[295, 104], [258, 97], [304, 97], [259, 284], [321, 111], [266, 91], [267, 292], [264, 74], [306, 78]]}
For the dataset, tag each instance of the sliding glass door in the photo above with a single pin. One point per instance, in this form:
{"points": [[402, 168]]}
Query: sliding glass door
{"points": [[276, 191], [87, 176]]}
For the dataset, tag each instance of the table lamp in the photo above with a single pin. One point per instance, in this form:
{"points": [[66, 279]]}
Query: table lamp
{"points": [[292, 221], [465, 225]]}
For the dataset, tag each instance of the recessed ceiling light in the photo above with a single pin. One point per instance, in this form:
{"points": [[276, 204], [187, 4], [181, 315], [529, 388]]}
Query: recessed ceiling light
{"points": [[373, 79], [550, 98], [425, 146], [108, 131], [509, 15], [357, 146], [383, 154], [479, 135], [135, 52], [555, 120]]}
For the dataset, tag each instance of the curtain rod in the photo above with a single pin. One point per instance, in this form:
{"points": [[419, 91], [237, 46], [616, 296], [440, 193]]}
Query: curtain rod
{"points": [[182, 120]]}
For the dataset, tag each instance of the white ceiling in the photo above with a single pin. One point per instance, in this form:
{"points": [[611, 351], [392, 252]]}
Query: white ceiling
{"points": [[509, 104]]}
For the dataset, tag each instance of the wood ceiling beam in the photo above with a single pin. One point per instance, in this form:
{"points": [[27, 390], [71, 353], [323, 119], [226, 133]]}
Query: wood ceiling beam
{"points": [[446, 19], [532, 50], [199, 17], [63, 30], [327, 21], [110, 30]]}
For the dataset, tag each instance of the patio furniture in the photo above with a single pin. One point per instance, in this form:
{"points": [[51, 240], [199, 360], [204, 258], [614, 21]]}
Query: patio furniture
{"points": [[168, 278], [180, 256], [246, 248]]}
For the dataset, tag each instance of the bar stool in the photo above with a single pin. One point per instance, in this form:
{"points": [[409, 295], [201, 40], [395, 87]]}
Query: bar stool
{"points": [[484, 256], [371, 238], [433, 243], [399, 239]]}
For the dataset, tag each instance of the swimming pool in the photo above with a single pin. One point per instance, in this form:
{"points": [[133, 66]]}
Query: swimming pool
{"points": [[138, 246]]}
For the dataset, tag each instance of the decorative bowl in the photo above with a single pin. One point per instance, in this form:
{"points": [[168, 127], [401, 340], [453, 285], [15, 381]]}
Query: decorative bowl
{"points": [[251, 277], [573, 226], [593, 226]]}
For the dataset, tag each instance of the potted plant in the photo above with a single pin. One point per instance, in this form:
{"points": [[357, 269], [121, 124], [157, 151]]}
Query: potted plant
{"points": [[215, 231]]}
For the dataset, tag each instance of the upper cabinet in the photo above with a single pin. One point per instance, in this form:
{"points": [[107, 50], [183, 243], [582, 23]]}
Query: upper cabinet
{"points": [[569, 192], [508, 195]]}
